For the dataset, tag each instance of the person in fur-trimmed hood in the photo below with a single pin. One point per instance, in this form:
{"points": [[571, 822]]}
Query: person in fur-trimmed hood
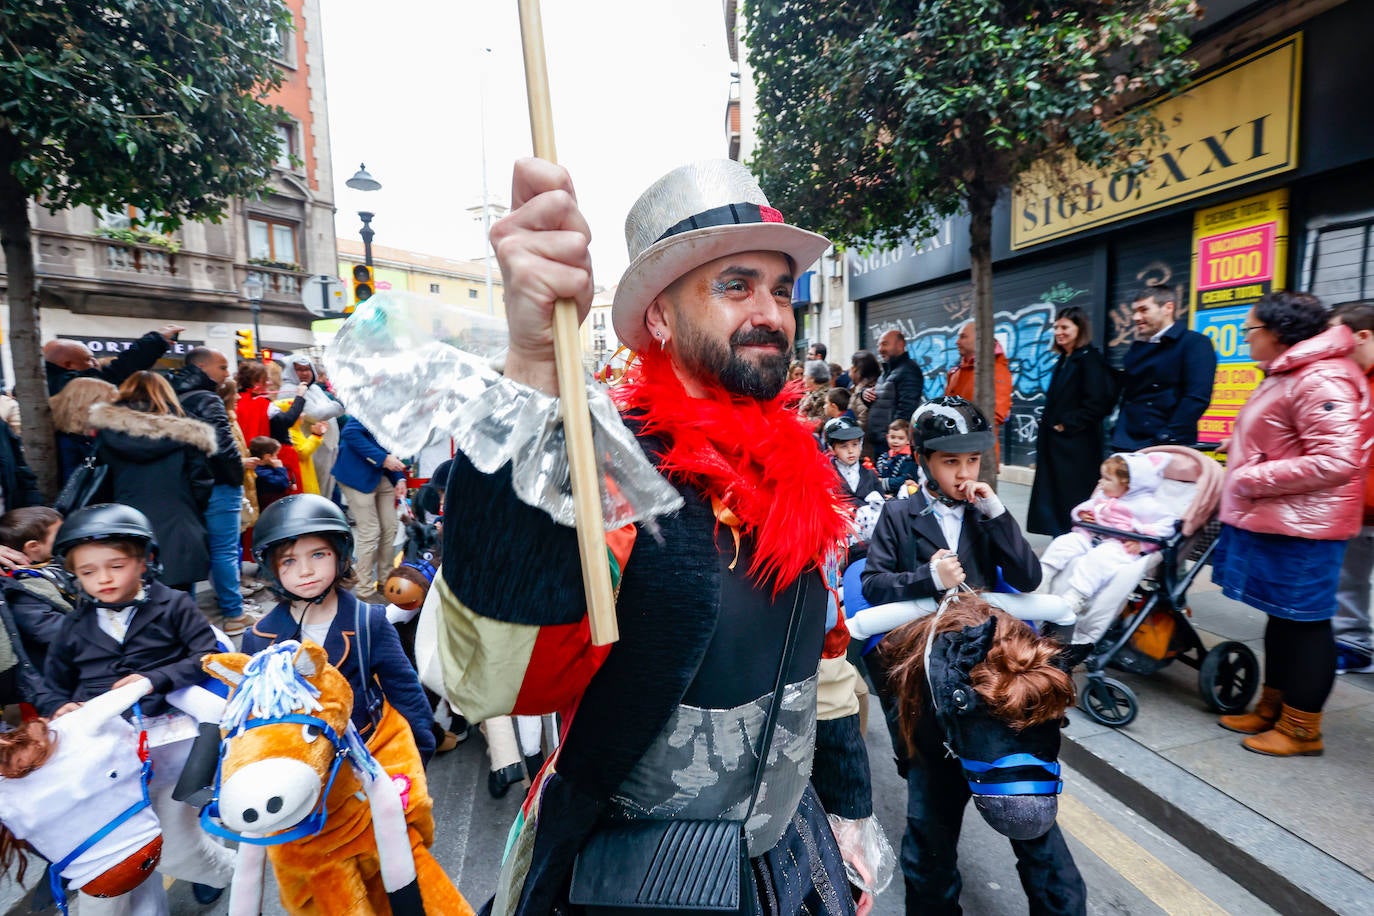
{"points": [[159, 463]]}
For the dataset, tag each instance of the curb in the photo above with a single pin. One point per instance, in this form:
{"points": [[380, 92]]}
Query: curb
{"points": [[1286, 872], [1014, 473]]}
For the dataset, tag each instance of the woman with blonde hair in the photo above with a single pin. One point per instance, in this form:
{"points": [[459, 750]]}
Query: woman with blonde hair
{"points": [[159, 463], [71, 408]]}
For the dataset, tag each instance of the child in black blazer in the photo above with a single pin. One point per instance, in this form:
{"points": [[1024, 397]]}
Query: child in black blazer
{"points": [[955, 532]]}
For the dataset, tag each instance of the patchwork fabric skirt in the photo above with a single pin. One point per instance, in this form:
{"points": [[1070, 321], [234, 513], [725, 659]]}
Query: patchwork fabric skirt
{"points": [[1290, 577]]}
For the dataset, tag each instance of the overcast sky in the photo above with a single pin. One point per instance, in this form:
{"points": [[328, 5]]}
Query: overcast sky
{"points": [[638, 87]]}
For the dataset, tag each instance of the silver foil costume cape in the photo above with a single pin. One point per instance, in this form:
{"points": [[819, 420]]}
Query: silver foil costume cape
{"points": [[413, 371]]}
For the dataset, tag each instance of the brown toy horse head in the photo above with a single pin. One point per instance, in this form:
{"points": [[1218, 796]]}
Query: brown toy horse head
{"points": [[284, 732], [342, 837]]}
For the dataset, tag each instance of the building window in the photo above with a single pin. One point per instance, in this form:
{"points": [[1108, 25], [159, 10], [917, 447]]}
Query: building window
{"points": [[472, 294], [270, 240], [434, 288], [599, 319], [599, 343], [283, 48], [286, 147], [1341, 262], [126, 216]]}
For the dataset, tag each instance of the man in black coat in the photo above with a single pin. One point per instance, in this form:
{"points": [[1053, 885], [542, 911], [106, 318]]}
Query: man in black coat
{"points": [[197, 384], [64, 360], [1166, 378], [897, 394]]}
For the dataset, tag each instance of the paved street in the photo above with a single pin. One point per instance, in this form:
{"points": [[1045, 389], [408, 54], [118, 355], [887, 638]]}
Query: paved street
{"points": [[1129, 866]]}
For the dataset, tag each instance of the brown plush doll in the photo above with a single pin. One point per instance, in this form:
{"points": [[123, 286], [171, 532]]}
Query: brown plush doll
{"points": [[406, 587]]}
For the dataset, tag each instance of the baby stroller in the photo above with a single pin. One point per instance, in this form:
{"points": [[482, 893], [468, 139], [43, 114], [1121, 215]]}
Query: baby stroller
{"points": [[1140, 622]]}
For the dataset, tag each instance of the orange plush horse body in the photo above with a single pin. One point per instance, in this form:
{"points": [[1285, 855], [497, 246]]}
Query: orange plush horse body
{"points": [[293, 774]]}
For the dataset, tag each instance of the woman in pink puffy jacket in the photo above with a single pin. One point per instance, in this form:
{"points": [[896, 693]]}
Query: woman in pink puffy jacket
{"points": [[1293, 496]]}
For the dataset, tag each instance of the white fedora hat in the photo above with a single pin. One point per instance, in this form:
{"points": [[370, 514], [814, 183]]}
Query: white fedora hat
{"points": [[690, 217]]}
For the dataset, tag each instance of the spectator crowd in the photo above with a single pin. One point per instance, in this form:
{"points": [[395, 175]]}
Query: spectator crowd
{"points": [[253, 478]]}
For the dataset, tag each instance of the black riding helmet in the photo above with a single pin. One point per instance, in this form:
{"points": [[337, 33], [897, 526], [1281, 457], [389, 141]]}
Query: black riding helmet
{"points": [[841, 429], [108, 522], [295, 517], [948, 424]]}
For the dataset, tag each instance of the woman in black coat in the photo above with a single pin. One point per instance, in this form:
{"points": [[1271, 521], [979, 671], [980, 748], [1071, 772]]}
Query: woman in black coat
{"points": [[159, 463], [1070, 441]]}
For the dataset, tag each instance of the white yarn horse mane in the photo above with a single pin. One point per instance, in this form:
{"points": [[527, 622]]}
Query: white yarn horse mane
{"points": [[272, 687]]}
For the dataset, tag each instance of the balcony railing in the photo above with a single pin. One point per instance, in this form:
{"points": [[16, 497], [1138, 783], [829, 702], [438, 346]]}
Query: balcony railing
{"points": [[123, 257], [277, 284]]}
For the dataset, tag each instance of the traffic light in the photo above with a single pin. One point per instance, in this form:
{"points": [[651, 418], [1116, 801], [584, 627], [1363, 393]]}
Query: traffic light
{"points": [[363, 286], [247, 347]]}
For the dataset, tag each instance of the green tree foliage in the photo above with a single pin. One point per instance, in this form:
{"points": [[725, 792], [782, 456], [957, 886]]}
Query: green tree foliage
{"points": [[155, 103], [878, 118]]}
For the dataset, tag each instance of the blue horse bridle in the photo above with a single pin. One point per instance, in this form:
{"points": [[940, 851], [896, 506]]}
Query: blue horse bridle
{"points": [[1022, 787], [313, 822], [145, 776]]}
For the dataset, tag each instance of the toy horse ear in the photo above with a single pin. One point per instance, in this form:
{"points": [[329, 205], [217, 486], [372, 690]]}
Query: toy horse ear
{"points": [[225, 666], [310, 660]]}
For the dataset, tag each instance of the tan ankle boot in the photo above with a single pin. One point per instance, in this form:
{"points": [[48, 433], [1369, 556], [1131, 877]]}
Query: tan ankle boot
{"points": [[1261, 720], [1297, 733]]}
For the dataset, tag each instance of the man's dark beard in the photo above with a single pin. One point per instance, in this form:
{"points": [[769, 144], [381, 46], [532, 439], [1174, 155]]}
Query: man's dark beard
{"points": [[708, 359]]}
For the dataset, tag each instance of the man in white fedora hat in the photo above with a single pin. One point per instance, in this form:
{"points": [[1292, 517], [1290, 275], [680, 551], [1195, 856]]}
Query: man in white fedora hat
{"points": [[717, 604]]}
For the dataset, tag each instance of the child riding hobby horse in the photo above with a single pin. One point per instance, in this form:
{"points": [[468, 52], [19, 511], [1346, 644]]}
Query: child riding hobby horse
{"points": [[286, 733]]}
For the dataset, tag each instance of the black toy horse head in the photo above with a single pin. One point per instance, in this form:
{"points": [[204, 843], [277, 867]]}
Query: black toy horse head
{"points": [[999, 695]]}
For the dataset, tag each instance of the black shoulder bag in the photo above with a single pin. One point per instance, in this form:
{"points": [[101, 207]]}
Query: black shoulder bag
{"points": [[678, 866], [81, 486]]}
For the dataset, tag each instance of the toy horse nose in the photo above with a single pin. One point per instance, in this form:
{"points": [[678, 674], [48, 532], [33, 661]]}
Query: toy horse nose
{"points": [[1020, 817], [268, 795]]}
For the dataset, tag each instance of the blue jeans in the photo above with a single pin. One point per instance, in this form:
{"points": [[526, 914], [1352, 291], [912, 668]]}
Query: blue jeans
{"points": [[222, 522]]}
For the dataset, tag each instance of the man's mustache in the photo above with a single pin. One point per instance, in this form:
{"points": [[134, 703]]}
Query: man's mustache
{"points": [[760, 337]]}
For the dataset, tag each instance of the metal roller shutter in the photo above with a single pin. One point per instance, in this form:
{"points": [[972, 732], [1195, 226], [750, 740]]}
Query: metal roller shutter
{"points": [[1025, 299], [1155, 255]]}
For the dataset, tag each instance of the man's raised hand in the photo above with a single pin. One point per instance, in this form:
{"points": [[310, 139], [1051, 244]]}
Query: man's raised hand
{"points": [[541, 246]]}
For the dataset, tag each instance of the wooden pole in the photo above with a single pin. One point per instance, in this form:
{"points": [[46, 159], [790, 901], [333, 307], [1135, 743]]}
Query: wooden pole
{"points": [[572, 390]]}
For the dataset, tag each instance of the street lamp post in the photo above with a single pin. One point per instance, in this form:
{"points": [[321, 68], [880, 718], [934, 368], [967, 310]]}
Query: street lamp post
{"points": [[363, 181], [252, 291], [367, 235]]}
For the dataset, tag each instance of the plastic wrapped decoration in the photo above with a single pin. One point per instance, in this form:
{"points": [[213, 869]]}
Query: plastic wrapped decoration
{"points": [[869, 859], [411, 369]]}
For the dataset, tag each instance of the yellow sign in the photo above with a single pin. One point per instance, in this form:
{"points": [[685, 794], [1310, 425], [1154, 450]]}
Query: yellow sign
{"points": [[1240, 252], [1230, 127]]}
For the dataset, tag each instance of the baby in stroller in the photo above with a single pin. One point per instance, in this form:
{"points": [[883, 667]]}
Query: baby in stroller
{"points": [[1080, 564]]}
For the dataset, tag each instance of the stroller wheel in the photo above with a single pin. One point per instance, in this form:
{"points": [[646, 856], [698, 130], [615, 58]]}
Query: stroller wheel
{"points": [[1228, 677], [1108, 701]]}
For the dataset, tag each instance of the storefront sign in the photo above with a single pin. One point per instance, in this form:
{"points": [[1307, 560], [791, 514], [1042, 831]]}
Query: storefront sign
{"points": [[1231, 127], [102, 347], [914, 261], [1239, 253]]}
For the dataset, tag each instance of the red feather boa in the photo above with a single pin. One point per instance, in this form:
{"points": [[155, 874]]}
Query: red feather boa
{"points": [[756, 457]]}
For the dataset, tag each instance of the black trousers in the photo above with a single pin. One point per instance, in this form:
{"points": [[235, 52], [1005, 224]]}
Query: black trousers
{"points": [[937, 795]]}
